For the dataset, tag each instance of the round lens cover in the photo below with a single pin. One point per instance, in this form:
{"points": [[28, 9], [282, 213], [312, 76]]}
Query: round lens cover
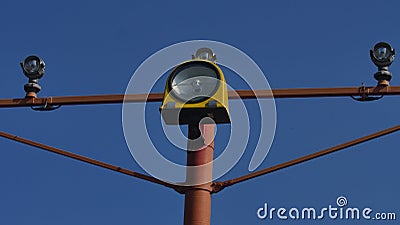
{"points": [[194, 82], [33, 67]]}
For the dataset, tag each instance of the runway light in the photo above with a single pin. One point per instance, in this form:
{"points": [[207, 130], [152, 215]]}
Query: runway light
{"points": [[194, 82], [382, 55], [196, 89], [33, 67]]}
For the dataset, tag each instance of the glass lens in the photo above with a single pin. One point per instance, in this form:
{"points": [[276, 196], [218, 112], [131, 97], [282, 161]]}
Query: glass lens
{"points": [[204, 55], [31, 66], [195, 83], [382, 54]]}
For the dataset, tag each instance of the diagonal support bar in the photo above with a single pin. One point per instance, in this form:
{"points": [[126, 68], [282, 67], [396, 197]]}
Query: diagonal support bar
{"points": [[86, 159], [218, 186]]}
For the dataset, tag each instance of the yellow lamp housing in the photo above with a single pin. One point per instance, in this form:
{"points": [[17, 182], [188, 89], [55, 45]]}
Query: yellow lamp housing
{"points": [[195, 89]]}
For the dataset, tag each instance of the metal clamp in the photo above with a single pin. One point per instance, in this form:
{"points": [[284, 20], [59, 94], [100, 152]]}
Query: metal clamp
{"points": [[364, 95], [47, 106]]}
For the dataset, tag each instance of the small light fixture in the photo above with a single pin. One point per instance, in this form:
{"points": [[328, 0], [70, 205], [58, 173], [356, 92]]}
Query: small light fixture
{"points": [[382, 55], [33, 68], [205, 54]]}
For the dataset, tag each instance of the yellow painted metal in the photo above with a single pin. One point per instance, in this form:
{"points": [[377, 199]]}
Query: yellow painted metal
{"points": [[215, 111]]}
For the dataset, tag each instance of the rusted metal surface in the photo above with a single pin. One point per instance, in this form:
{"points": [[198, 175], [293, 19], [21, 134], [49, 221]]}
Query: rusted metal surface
{"points": [[243, 94], [198, 197], [218, 186], [197, 207], [316, 92], [85, 159], [80, 100]]}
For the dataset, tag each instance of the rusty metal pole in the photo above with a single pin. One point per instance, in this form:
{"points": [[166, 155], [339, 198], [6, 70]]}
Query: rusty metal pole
{"points": [[198, 197]]}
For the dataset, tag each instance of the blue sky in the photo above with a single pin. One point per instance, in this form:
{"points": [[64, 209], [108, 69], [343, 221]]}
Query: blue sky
{"points": [[94, 48]]}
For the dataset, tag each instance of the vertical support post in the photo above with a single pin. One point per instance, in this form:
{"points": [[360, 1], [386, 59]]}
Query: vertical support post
{"points": [[198, 197]]}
